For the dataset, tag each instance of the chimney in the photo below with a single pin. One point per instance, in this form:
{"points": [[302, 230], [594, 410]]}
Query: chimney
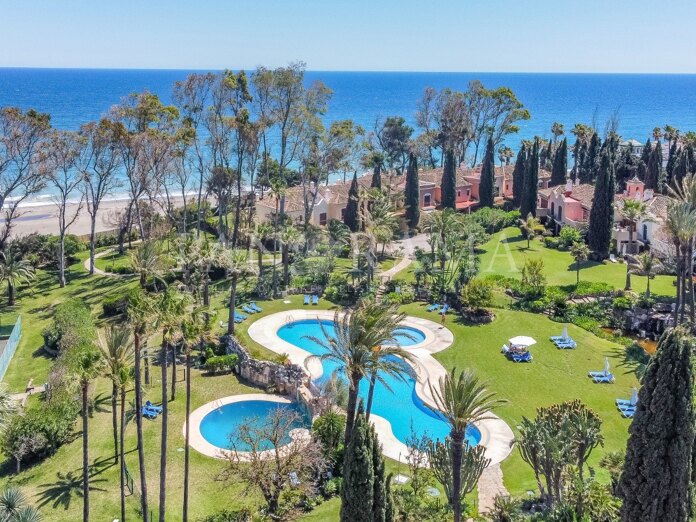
{"points": [[569, 187], [648, 195]]}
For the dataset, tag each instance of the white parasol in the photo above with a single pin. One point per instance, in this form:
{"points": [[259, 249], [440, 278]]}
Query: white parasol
{"points": [[522, 340], [634, 397], [565, 331]]}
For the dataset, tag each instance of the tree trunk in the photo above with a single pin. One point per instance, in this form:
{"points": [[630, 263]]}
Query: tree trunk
{"points": [[233, 304], [164, 352], [577, 273], [85, 454], [457, 443], [114, 418], [10, 294], [139, 428], [147, 367], [260, 260], [370, 393], [350, 409], [173, 372], [123, 454], [187, 434], [61, 260], [92, 240], [286, 266], [627, 286]]}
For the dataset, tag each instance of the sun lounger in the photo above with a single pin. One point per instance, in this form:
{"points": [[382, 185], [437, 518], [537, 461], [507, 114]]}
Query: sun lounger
{"points": [[248, 310], [238, 318], [505, 349], [598, 374], [445, 308], [603, 379], [315, 299], [627, 407], [625, 403], [556, 338], [256, 308], [565, 344], [628, 414], [151, 406], [432, 307], [148, 413], [521, 357], [306, 299]]}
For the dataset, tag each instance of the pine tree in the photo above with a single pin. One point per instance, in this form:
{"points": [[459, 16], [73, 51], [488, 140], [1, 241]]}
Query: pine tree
{"points": [[560, 164], [357, 493], [412, 193], [602, 211], [448, 187], [486, 198], [379, 491], [530, 185], [656, 479], [350, 218], [518, 174]]}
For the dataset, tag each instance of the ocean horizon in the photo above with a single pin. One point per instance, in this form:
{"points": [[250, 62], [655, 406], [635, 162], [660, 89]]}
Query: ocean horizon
{"points": [[642, 101]]}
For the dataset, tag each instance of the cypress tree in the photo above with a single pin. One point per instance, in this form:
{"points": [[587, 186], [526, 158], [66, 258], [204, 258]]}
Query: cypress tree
{"points": [[412, 193], [589, 171], [448, 186], [656, 479], [518, 175], [376, 171], [691, 157], [580, 160], [487, 176], [379, 490], [681, 167], [357, 492], [647, 150], [653, 177], [671, 162], [389, 507], [350, 218], [560, 164], [531, 183], [602, 211]]}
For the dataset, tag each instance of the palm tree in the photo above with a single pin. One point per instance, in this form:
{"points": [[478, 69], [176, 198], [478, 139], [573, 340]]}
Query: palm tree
{"points": [[278, 189], [86, 362], [463, 400], [119, 357], [237, 265], [14, 507], [262, 232], [684, 191], [170, 308], [207, 254], [14, 271], [531, 226], [147, 261], [633, 211], [646, 265], [351, 347], [681, 224], [557, 130], [385, 359], [140, 313], [380, 219], [290, 239], [442, 226]]}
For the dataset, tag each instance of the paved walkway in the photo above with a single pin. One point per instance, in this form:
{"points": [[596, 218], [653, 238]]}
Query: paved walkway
{"points": [[490, 485], [398, 267]]}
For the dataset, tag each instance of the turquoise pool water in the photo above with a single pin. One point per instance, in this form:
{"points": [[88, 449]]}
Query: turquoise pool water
{"points": [[401, 406], [223, 422]]}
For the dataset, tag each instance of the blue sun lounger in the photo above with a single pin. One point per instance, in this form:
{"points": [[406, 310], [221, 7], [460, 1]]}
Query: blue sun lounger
{"points": [[605, 378], [248, 309], [238, 318], [445, 308], [623, 403], [432, 307], [148, 413], [601, 373], [564, 345], [628, 413], [157, 409], [256, 308], [306, 299], [522, 357], [315, 299]]}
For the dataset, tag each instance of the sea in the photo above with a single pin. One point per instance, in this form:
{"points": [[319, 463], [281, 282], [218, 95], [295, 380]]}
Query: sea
{"points": [[640, 102]]}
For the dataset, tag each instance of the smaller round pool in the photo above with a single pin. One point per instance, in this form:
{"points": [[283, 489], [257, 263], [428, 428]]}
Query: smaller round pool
{"points": [[221, 426]]}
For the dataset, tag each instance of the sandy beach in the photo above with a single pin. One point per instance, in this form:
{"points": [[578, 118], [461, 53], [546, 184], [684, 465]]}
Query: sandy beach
{"points": [[42, 218]]}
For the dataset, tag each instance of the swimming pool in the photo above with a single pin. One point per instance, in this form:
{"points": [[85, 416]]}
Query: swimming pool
{"points": [[217, 426], [401, 406]]}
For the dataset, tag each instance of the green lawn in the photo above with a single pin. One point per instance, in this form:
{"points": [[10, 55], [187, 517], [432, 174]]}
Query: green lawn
{"points": [[506, 252], [553, 376], [113, 261]]}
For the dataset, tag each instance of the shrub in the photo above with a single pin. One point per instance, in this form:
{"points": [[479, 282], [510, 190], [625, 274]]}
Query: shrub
{"points": [[226, 515], [622, 303], [533, 279], [590, 288], [72, 325], [567, 236], [551, 242], [477, 294], [42, 249], [221, 363], [328, 429], [339, 290], [405, 295], [115, 305]]}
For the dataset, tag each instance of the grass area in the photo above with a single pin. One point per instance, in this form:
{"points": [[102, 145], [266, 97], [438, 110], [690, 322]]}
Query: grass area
{"points": [[554, 376], [506, 252], [113, 261]]}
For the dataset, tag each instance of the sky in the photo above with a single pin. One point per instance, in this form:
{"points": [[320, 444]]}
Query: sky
{"points": [[344, 35]]}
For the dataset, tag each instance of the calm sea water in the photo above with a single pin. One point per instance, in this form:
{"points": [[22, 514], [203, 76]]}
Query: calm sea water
{"points": [[75, 96]]}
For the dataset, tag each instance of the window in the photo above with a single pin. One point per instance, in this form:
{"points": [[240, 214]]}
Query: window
{"points": [[322, 218], [459, 193], [560, 213], [426, 200], [468, 192], [553, 207], [645, 232], [343, 213]]}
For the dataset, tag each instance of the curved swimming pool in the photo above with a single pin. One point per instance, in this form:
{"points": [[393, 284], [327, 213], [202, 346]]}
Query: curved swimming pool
{"points": [[397, 401], [225, 421]]}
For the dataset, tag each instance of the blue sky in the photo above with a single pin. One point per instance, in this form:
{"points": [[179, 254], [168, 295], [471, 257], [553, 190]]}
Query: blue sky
{"points": [[402, 35]]}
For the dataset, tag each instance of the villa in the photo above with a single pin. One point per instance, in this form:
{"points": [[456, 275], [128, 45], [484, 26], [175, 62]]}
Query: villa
{"points": [[570, 205]]}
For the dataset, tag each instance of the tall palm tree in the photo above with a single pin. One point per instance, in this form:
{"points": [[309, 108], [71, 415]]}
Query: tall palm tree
{"points": [[681, 224], [379, 218], [86, 362], [278, 190], [463, 400], [14, 271], [207, 255], [443, 227], [147, 261], [351, 347], [140, 314], [262, 232], [645, 264], [290, 238], [684, 191], [14, 507], [633, 211], [531, 226], [237, 265], [170, 308]]}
